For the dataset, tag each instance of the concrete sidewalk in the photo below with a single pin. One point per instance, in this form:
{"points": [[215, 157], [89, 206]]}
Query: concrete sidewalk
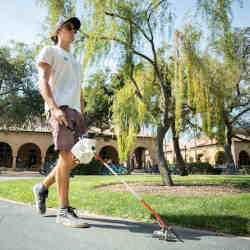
{"points": [[21, 228]]}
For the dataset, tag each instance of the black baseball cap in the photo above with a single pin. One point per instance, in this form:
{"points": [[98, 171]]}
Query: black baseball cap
{"points": [[62, 20]]}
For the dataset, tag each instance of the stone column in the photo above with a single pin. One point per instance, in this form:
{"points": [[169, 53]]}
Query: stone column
{"points": [[235, 153], [14, 157], [43, 156]]}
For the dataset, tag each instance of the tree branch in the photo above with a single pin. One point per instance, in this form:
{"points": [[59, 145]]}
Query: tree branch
{"points": [[129, 47], [130, 21], [131, 75], [138, 92], [240, 114], [154, 7], [155, 63]]}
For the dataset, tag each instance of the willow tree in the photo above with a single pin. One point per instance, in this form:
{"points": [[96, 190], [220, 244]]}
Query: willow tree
{"points": [[217, 85], [57, 8], [130, 113], [130, 29], [216, 89]]}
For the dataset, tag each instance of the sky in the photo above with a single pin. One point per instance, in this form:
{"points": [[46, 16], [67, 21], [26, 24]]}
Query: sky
{"points": [[21, 20]]}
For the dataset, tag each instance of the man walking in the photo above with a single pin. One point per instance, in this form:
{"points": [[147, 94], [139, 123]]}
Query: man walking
{"points": [[60, 87]]}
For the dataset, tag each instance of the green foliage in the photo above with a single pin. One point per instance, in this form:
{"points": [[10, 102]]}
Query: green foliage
{"points": [[246, 168], [92, 168], [201, 168], [130, 113], [98, 96], [20, 100], [219, 17], [126, 119], [218, 13], [109, 24], [214, 90], [58, 8]]}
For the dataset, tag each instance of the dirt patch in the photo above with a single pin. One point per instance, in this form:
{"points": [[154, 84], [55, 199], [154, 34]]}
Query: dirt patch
{"points": [[180, 189]]}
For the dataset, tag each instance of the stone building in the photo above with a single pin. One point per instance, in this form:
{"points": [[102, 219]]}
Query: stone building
{"points": [[29, 149], [207, 150]]}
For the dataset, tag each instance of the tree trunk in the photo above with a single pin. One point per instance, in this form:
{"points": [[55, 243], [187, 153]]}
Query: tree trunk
{"points": [[165, 175], [180, 163], [228, 146]]}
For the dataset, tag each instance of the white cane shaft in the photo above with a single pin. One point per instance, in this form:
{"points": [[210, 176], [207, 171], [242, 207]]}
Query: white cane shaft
{"points": [[124, 182]]}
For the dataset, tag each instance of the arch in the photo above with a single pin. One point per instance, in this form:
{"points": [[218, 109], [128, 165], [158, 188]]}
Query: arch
{"points": [[6, 157], [109, 152], [200, 157], [51, 154], [244, 158], [140, 158], [29, 157]]}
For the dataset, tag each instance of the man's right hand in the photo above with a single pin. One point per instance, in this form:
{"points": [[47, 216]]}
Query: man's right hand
{"points": [[59, 116]]}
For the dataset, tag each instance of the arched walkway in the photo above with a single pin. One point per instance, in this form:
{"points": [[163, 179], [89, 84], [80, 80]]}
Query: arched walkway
{"points": [[51, 154], [109, 152], [6, 157], [140, 158], [29, 157], [244, 158]]}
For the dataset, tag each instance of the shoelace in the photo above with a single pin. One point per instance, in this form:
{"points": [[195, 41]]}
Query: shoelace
{"points": [[73, 211]]}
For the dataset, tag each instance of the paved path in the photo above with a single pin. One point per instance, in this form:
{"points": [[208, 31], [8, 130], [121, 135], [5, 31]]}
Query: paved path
{"points": [[22, 229], [9, 178]]}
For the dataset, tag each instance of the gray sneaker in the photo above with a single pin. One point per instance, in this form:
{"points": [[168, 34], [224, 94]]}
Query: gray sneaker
{"points": [[69, 219], [40, 198], [73, 212]]}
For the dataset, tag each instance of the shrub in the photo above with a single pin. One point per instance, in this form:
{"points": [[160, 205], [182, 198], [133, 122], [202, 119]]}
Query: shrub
{"points": [[201, 168], [246, 168], [92, 168]]}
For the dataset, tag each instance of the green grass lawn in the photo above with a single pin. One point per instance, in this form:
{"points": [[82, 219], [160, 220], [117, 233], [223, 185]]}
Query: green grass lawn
{"points": [[228, 214]]}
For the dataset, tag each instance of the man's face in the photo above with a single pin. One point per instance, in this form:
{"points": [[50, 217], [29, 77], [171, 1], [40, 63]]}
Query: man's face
{"points": [[67, 32]]}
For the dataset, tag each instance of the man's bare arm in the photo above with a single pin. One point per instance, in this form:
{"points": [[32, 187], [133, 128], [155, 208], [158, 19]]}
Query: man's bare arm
{"points": [[44, 70]]}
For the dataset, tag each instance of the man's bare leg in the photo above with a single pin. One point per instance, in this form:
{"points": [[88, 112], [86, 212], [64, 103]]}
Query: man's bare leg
{"points": [[60, 174], [65, 163], [51, 178]]}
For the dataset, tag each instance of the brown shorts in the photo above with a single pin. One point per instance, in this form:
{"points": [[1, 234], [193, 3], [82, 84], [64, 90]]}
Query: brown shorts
{"points": [[63, 138]]}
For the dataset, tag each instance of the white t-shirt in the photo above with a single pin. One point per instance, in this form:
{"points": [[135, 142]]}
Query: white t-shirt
{"points": [[65, 79]]}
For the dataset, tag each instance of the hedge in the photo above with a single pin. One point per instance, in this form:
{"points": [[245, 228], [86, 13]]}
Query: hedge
{"points": [[93, 168], [202, 168], [196, 168], [246, 168]]}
